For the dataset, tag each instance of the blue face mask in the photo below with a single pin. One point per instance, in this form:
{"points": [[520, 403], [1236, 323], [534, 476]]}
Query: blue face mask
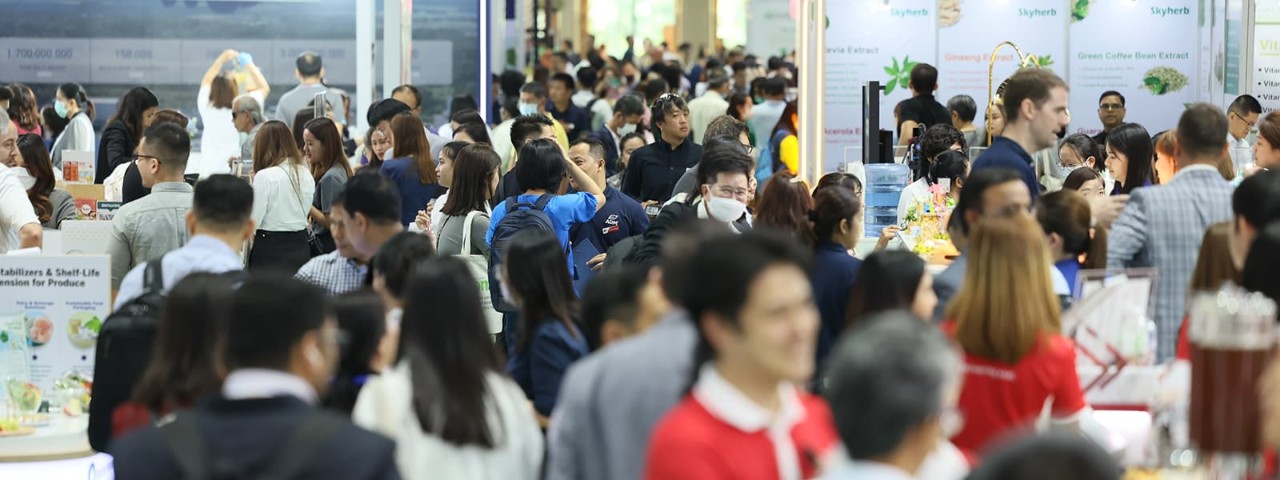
{"points": [[60, 107], [528, 108]]}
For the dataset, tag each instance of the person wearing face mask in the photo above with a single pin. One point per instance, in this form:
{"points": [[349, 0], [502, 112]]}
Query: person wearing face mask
{"points": [[533, 101], [35, 171], [19, 226], [281, 352], [73, 103], [628, 112], [721, 196]]}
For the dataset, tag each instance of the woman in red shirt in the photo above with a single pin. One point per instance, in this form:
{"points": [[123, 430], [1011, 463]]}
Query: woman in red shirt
{"points": [[1007, 321]]}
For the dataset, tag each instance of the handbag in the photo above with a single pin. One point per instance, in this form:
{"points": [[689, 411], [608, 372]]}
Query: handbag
{"points": [[313, 243], [479, 267]]}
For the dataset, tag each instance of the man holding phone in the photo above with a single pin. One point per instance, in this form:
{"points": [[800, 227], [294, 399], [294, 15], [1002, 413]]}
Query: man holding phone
{"points": [[310, 71]]}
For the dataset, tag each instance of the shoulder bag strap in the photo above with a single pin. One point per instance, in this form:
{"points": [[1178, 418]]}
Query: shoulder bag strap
{"points": [[187, 446], [316, 429], [153, 276], [297, 189], [466, 231]]}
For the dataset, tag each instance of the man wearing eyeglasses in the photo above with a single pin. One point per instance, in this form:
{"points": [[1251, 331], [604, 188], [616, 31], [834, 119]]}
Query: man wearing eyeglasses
{"points": [[1242, 115], [1111, 112], [147, 228]]}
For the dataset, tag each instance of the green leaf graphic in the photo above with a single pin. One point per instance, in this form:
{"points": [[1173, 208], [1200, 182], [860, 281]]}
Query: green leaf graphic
{"points": [[889, 88]]}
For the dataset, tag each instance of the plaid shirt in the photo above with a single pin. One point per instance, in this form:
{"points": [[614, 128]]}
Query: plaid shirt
{"points": [[335, 273], [1162, 227]]}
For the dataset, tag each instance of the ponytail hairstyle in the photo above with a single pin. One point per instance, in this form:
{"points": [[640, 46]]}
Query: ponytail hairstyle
{"points": [[951, 165], [830, 207], [73, 91], [785, 204], [1066, 213]]}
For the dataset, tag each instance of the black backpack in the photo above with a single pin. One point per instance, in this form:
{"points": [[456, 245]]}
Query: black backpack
{"points": [[123, 351], [520, 216], [188, 448]]}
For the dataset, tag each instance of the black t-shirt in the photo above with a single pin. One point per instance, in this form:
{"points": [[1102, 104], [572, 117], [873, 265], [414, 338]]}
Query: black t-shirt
{"points": [[923, 109]]}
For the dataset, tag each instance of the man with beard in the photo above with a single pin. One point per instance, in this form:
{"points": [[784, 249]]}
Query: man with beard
{"points": [[1035, 110]]}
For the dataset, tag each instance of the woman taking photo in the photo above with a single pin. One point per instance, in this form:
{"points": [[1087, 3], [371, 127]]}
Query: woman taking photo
{"points": [[413, 169], [535, 277], [219, 139], [124, 130], [73, 104], [36, 174], [1015, 355], [447, 403], [1066, 219], [1130, 158], [895, 280], [465, 215], [837, 226], [281, 187], [322, 147]]}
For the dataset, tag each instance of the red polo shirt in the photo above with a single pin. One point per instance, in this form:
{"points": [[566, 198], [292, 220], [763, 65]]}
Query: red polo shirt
{"points": [[717, 433], [999, 399]]}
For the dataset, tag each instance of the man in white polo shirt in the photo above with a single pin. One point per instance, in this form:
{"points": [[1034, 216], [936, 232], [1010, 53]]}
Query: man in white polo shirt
{"points": [[19, 225]]}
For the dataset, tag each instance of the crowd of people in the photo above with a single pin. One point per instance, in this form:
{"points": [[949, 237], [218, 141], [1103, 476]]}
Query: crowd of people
{"points": [[624, 276]]}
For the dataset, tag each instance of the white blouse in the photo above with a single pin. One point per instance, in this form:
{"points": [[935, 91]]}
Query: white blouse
{"points": [[385, 406], [282, 198]]}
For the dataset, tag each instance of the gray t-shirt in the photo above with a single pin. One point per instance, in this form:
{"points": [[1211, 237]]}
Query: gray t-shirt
{"points": [[332, 182], [64, 208], [298, 98], [451, 232]]}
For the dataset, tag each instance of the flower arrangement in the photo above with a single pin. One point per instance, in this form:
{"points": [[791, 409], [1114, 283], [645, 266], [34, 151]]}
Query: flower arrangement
{"points": [[926, 221]]}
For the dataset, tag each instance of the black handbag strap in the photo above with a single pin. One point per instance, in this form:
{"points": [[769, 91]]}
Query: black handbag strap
{"points": [[189, 450], [153, 276]]}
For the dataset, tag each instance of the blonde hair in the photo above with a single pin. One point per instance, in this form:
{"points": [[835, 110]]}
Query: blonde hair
{"points": [[1006, 304]]}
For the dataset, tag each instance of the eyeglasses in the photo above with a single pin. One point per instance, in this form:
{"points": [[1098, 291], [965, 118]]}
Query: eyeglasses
{"points": [[749, 148], [1111, 106], [1246, 122], [733, 192], [140, 157]]}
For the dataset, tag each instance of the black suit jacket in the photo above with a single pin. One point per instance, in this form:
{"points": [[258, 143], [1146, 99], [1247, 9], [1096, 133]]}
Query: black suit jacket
{"points": [[115, 148], [611, 149], [250, 433]]}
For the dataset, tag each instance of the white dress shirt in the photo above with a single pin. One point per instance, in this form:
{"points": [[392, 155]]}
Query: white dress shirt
{"points": [[264, 383], [282, 198]]}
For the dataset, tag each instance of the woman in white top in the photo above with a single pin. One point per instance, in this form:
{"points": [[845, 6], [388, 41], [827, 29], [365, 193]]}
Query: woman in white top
{"points": [[465, 214], [282, 193], [219, 140], [73, 103], [448, 405]]}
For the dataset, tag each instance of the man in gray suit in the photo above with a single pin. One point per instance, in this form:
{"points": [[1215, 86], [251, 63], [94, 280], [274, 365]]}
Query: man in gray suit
{"points": [[1162, 226]]}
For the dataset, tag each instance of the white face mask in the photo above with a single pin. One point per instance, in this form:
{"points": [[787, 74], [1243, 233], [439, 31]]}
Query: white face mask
{"points": [[527, 108], [24, 177], [725, 209], [626, 129]]}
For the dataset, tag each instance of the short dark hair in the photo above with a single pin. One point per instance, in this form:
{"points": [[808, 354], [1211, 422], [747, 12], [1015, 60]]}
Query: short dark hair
{"points": [[888, 378], [588, 76], [540, 165], [975, 187], [511, 82], [654, 88], [1244, 105], [951, 165], [721, 161], [385, 110], [924, 78], [565, 79], [629, 105], [1202, 130], [309, 64], [964, 107], [1257, 199], [774, 87], [374, 196], [222, 202], [668, 103], [463, 102], [774, 63], [270, 313], [939, 138], [536, 89], [527, 127], [1110, 93], [476, 130], [396, 258], [678, 249], [1134, 142], [612, 295], [594, 147], [1032, 84], [417, 96], [1077, 178], [171, 144], [725, 126], [1048, 457], [465, 116]]}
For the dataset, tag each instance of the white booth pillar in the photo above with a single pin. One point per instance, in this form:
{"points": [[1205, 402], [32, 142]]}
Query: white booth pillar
{"points": [[397, 43], [811, 63]]}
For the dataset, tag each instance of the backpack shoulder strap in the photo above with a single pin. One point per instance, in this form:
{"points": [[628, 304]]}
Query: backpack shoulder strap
{"points": [[316, 429], [512, 203], [187, 446], [153, 276], [543, 200]]}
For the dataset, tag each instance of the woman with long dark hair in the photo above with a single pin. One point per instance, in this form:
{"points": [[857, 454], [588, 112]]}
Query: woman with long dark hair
{"points": [[322, 147], [466, 212], [72, 103], [186, 362], [413, 169], [282, 185], [124, 130], [893, 280], [535, 277], [444, 174], [362, 320], [446, 402], [37, 176], [1130, 158]]}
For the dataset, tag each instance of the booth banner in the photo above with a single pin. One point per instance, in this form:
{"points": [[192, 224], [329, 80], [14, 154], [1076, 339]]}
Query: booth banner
{"points": [[771, 30], [1266, 56], [968, 31], [63, 301], [871, 40], [1154, 66]]}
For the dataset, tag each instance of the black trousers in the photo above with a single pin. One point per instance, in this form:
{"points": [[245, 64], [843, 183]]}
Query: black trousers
{"points": [[281, 252]]}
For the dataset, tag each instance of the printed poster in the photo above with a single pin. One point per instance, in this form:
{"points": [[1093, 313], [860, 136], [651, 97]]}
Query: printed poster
{"points": [[1154, 67], [969, 30], [1266, 56], [871, 40], [62, 301]]}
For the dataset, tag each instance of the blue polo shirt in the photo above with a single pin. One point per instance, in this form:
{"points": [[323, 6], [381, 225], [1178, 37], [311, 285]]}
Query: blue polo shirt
{"points": [[1005, 153], [833, 274], [563, 210], [621, 217]]}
